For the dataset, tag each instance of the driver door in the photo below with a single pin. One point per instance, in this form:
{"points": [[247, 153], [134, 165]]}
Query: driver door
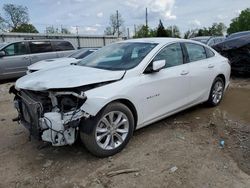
{"points": [[166, 91], [14, 63]]}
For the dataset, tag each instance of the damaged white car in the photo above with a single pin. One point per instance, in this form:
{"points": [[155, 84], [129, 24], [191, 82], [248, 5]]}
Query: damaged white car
{"points": [[118, 89]]}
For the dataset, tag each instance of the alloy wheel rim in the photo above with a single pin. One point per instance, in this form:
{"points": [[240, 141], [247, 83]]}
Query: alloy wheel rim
{"points": [[112, 130], [217, 92]]}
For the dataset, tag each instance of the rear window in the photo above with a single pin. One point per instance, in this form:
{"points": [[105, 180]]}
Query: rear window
{"points": [[40, 46], [63, 45], [196, 52], [210, 53]]}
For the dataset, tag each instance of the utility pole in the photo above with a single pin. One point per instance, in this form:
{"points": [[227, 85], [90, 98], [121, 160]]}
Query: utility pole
{"points": [[77, 29], [134, 30], [117, 21], [128, 33], [146, 22]]}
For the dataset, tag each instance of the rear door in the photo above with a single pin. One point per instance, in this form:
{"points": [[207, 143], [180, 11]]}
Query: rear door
{"points": [[202, 71], [14, 63], [41, 50]]}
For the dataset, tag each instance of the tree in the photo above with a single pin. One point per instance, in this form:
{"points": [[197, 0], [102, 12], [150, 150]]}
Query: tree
{"points": [[2, 24], [217, 29], [65, 31], [56, 30], [161, 32], [190, 34], [115, 25], [240, 23], [16, 15], [203, 32], [142, 31], [25, 28], [173, 31], [52, 30]]}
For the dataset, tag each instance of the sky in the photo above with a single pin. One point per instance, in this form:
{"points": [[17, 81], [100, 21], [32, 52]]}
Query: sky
{"points": [[91, 17]]}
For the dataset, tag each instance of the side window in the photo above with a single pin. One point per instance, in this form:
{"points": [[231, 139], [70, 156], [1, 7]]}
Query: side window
{"points": [[196, 52], [210, 53], [172, 54], [18, 48], [63, 45], [40, 46]]}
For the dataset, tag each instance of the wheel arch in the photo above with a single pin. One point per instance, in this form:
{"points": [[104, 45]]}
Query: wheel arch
{"points": [[222, 77], [123, 101], [131, 106]]}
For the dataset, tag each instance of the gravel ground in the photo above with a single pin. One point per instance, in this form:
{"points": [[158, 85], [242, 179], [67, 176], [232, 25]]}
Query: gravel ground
{"points": [[180, 151]]}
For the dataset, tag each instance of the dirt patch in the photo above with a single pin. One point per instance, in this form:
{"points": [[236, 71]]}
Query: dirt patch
{"points": [[180, 151]]}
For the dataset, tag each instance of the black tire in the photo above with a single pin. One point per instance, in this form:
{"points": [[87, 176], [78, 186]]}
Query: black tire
{"points": [[211, 102], [89, 126]]}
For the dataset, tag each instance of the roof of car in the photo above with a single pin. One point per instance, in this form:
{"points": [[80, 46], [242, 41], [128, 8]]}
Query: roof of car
{"points": [[155, 40], [203, 37], [207, 37]]}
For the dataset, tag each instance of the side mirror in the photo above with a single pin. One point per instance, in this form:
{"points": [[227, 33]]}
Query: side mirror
{"points": [[158, 65], [2, 53]]}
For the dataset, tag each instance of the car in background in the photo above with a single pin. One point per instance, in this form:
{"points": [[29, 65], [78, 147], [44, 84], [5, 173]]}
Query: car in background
{"points": [[209, 40], [237, 50], [121, 87], [15, 57], [57, 62], [238, 34]]}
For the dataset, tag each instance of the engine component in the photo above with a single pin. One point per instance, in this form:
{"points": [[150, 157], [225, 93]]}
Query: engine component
{"points": [[55, 131]]}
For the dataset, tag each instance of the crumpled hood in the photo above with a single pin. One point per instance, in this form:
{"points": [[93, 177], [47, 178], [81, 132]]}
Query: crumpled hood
{"points": [[52, 63], [66, 77]]}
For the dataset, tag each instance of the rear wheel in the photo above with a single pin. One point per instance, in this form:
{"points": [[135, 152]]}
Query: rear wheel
{"points": [[216, 92], [109, 131]]}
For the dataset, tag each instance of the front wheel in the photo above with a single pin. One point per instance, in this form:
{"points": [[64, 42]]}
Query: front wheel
{"points": [[216, 92], [109, 131]]}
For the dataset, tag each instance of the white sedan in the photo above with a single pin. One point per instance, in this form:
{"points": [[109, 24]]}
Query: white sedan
{"points": [[118, 89], [59, 62]]}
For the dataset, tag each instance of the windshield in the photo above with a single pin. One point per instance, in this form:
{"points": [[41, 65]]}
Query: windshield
{"points": [[118, 56], [82, 53]]}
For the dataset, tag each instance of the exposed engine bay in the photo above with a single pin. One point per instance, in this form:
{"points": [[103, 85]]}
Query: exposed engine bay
{"points": [[51, 116]]}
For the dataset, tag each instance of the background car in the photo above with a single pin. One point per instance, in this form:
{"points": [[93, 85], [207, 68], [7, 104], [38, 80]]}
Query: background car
{"points": [[15, 57], [237, 50], [238, 34], [57, 62], [118, 89], [209, 40]]}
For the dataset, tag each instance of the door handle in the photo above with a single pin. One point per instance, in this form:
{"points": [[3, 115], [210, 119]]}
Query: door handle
{"points": [[184, 73], [210, 66], [25, 58]]}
